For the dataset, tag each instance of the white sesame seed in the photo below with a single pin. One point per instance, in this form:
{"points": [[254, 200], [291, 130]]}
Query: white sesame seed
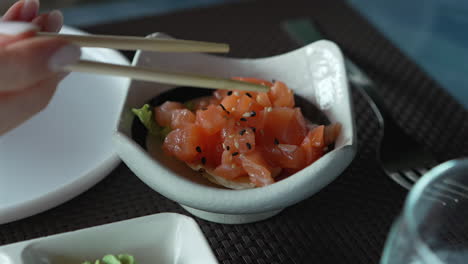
{"points": [[231, 136], [236, 93], [258, 98], [233, 109], [238, 123], [246, 114], [224, 146], [236, 144], [269, 109]]}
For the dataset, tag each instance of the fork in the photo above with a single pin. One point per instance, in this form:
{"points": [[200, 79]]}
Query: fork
{"points": [[401, 157], [447, 192]]}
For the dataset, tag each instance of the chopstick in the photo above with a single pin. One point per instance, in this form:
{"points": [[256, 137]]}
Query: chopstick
{"points": [[139, 43], [147, 74]]}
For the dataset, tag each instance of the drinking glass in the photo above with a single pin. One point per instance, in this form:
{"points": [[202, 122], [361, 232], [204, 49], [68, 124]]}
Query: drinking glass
{"points": [[433, 226]]}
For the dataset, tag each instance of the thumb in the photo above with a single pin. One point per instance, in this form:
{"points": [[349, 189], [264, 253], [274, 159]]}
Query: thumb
{"points": [[29, 60]]}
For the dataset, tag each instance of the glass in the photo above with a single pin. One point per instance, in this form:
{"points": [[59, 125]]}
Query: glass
{"points": [[433, 227]]}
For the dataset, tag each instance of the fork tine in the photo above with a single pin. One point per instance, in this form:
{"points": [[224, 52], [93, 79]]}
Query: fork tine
{"points": [[411, 175], [441, 195], [442, 187], [422, 170], [456, 184], [454, 188], [434, 198], [400, 179]]}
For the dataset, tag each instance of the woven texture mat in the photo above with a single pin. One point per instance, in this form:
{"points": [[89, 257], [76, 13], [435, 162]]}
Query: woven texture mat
{"points": [[346, 222]]}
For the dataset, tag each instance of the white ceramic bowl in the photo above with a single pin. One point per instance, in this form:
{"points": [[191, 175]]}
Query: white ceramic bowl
{"points": [[158, 238], [315, 72]]}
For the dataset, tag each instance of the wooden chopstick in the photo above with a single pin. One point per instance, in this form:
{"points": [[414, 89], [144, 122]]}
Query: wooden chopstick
{"points": [[147, 74], [139, 43]]}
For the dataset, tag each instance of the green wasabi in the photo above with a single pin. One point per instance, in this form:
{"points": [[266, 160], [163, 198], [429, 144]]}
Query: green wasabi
{"points": [[112, 259]]}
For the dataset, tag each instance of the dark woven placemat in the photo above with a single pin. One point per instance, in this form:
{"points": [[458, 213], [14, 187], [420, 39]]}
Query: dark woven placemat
{"points": [[346, 222]]}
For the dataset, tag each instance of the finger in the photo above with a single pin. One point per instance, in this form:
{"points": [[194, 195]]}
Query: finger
{"points": [[24, 10], [18, 107], [50, 22], [13, 12], [27, 61], [15, 31]]}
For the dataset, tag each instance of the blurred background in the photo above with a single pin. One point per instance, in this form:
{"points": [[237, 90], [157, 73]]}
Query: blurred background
{"points": [[431, 32]]}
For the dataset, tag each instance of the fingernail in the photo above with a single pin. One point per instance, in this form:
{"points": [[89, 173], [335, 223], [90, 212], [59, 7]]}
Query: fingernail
{"points": [[54, 21], [29, 10], [65, 56], [16, 28]]}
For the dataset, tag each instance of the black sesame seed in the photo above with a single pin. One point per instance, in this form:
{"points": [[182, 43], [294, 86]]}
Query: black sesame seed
{"points": [[248, 145], [253, 129], [224, 108], [242, 132], [243, 119], [276, 141], [229, 93], [249, 95], [273, 81], [203, 160], [198, 149], [253, 113], [235, 153], [228, 147]]}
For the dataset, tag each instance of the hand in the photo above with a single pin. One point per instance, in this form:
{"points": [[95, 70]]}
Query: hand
{"points": [[30, 66]]}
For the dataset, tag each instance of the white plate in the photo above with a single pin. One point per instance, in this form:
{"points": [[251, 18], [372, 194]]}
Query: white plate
{"points": [[159, 238], [65, 149]]}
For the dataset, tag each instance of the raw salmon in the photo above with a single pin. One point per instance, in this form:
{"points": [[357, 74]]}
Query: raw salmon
{"points": [[244, 137]]}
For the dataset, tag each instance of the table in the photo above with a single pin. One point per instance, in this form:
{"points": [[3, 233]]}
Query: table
{"points": [[346, 222]]}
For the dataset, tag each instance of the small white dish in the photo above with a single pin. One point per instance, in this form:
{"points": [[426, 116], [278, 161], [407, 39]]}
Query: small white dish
{"points": [[315, 72], [67, 148], [159, 238]]}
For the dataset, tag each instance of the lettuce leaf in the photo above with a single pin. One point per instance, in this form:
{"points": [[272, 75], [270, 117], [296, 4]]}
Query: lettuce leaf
{"points": [[145, 114]]}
